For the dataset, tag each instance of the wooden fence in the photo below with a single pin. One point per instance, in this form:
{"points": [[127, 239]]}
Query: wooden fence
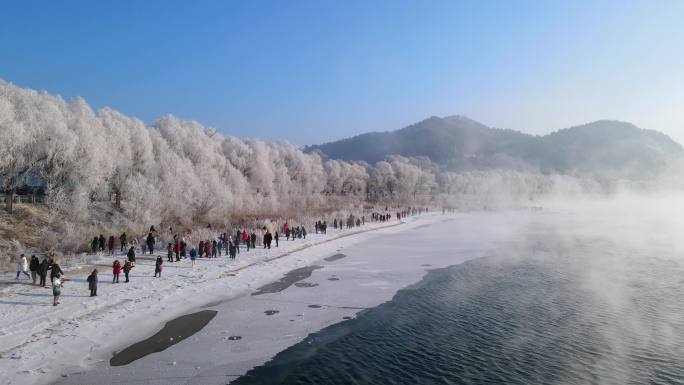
{"points": [[26, 199]]}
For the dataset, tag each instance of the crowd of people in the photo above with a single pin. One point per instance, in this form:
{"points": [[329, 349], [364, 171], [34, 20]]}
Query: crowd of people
{"points": [[40, 269], [177, 248]]}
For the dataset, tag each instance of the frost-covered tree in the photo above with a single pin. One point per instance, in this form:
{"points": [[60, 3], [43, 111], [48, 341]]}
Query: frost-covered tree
{"points": [[103, 169]]}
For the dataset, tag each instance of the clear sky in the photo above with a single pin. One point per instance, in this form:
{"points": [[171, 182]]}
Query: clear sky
{"points": [[314, 71]]}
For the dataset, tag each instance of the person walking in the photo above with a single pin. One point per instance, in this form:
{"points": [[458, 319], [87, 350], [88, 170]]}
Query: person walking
{"points": [[55, 270], [34, 265], [159, 265], [123, 241], [207, 249], [177, 249], [42, 271], [150, 243], [231, 249], [56, 289], [93, 245], [101, 243], [268, 238], [127, 269], [22, 266], [92, 283], [111, 244], [116, 270], [169, 253], [245, 238], [193, 255], [131, 255], [183, 248], [276, 236]]}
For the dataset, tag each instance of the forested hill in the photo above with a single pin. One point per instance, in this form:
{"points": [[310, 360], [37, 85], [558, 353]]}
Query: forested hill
{"points": [[457, 143]]}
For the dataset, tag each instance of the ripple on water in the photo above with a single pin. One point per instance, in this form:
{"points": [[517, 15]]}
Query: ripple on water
{"points": [[501, 322]]}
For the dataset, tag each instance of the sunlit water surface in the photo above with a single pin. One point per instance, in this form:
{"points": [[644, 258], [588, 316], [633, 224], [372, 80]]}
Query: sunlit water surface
{"points": [[551, 309]]}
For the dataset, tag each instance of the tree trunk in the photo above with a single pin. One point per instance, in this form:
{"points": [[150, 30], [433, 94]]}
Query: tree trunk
{"points": [[9, 200]]}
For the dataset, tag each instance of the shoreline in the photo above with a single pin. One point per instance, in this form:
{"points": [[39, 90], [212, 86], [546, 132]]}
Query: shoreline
{"points": [[44, 344], [251, 329]]}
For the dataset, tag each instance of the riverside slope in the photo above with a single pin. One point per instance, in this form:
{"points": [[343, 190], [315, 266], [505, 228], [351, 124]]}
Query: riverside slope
{"points": [[40, 343], [341, 279]]}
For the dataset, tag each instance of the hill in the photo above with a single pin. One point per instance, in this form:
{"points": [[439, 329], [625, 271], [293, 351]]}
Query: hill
{"points": [[602, 148]]}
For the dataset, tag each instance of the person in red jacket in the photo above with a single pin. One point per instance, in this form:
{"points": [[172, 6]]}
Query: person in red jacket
{"points": [[245, 238], [207, 249], [111, 244], [177, 249], [116, 270]]}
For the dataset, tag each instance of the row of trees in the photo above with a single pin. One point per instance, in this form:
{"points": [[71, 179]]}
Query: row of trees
{"points": [[182, 172]]}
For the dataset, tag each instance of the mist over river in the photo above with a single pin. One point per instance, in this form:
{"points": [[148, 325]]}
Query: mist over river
{"points": [[590, 293], [563, 292]]}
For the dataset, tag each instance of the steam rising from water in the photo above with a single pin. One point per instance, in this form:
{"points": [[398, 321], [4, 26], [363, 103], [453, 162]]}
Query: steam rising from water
{"points": [[588, 292]]}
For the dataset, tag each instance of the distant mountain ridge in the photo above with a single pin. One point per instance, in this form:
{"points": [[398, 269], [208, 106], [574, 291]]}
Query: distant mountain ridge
{"points": [[603, 148]]}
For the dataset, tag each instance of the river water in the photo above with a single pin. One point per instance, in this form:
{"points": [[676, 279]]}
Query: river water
{"points": [[572, 302]]}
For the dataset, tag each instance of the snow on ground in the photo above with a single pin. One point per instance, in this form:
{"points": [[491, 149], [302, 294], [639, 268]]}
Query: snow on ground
{"points": [[346, 278], [73, 342], [39, 342]]}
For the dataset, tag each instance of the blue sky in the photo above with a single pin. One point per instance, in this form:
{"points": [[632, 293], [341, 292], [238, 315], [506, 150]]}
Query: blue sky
{"points": [[314, 71]]}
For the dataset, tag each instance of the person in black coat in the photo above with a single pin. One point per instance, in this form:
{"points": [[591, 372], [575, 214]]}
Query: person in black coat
{"points": [[158, 266], [266, 240], [92, 283], [55, 271], [131, 254], [276, 238], [42, 271], [150, 243], [34, 264], [101, 243], [231, 249], [123, 241]]}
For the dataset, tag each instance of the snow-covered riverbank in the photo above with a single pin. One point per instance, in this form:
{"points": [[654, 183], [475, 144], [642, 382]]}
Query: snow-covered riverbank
{"points": [[39, 342], [343, 277]]}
